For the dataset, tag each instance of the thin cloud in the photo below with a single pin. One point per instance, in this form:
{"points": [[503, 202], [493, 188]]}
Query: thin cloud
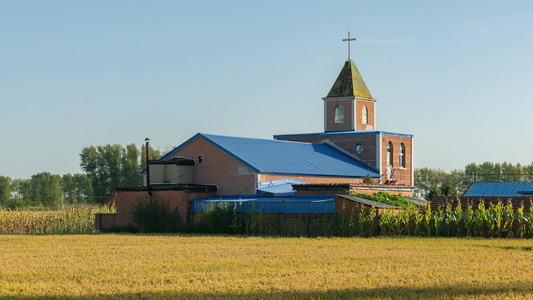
{"points": [[398, 42], [499, 25]]}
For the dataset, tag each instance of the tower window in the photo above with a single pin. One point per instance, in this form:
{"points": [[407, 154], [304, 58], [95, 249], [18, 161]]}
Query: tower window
{"points": [[365, 115], [339, 114], [402, 156]]}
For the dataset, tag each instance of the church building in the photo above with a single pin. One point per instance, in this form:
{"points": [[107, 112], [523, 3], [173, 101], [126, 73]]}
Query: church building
{"points": [[349, 149], [306, 173]]}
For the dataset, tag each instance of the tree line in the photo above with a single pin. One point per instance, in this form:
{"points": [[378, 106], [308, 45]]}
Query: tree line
{"points": [[104, 167]]}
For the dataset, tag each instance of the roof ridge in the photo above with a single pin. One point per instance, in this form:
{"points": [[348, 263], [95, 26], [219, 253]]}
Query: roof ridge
{"points": [[252, 138]]}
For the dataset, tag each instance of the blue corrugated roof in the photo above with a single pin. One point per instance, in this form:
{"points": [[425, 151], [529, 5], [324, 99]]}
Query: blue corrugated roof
{"points": [[290, 205], [278, 187], [286, 157], [277, 182], [499, 189]]}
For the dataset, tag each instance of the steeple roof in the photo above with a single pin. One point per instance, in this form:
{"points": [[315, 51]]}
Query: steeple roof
{"points": [[349, 83]]}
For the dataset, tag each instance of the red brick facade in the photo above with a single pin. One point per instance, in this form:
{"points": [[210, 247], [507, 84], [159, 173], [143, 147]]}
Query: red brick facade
{"points": [[125, 201], [312, 179], [401, 175], [231, 176], [352, 114]]}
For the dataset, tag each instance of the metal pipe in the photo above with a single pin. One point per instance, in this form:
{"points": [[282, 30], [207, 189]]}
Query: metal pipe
{"points": [[148, 188]]}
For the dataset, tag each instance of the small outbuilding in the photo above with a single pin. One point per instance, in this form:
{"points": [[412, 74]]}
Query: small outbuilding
{"points": [[517, 193]]}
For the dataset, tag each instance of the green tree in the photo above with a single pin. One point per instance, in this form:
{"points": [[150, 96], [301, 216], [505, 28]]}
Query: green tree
{"points": [[528, 171], [131, 166], [111, 166], [486, 171], [436, 182], [427, 182], [458, 181], [497, 172], [511, 172], [77, 189], [154, 154], [5, 191], [21, 193], [45, 190], [102, 165]]}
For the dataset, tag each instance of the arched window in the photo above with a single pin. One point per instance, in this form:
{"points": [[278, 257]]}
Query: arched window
{"points": [[339, 114], [365, 115], [402, 156]]}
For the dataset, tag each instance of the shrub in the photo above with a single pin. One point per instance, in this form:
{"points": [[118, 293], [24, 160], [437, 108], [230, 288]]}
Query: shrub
{"points": [[387, 198], [218, 217], [153, 217], [368, 179]]}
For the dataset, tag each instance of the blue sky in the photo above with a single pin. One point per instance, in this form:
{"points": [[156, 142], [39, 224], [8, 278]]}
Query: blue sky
{"points": [[456, 74]]}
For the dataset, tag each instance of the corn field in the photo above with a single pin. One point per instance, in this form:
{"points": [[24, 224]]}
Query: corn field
{"points": [[492, 221], [70, 220]]}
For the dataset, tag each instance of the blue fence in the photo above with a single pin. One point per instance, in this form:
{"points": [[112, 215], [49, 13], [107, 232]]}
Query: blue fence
{"points": [[287, 205]]}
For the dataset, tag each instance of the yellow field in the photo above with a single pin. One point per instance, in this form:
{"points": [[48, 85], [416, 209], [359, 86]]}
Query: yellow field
{"points": [[143, 266]]}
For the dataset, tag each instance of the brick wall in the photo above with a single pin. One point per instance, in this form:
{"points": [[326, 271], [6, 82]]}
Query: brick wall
{"points": [[370, 105], [125, 201], [231, 176], [402, 176], [349, 122], [347, 208], [353, 114], [312, 179]]}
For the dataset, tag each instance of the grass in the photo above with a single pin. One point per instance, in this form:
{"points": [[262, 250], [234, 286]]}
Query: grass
{"points": [[126, 266]]}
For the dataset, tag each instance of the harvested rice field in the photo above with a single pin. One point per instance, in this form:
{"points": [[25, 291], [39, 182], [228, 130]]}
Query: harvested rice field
{"points": [[125, 266]]}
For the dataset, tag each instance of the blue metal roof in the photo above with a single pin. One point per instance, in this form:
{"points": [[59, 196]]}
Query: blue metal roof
{"points": [[286, 157], [499, 189], [279, 187], [341, 133], [289, 205]]}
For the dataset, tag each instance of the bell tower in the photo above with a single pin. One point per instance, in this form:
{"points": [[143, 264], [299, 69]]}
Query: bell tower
{"points": [[349, 105], [350, 125]]}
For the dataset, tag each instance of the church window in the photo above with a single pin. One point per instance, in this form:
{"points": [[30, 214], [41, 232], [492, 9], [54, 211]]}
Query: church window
{"points": [[339, 114], [402, 156], [365, 115]]}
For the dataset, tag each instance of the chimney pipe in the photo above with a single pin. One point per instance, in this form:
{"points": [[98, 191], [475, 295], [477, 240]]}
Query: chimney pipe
{"points": [[148, 188]]}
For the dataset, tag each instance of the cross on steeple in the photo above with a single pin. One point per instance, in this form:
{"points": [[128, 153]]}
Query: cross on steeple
{"points": [[349, 40]]}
